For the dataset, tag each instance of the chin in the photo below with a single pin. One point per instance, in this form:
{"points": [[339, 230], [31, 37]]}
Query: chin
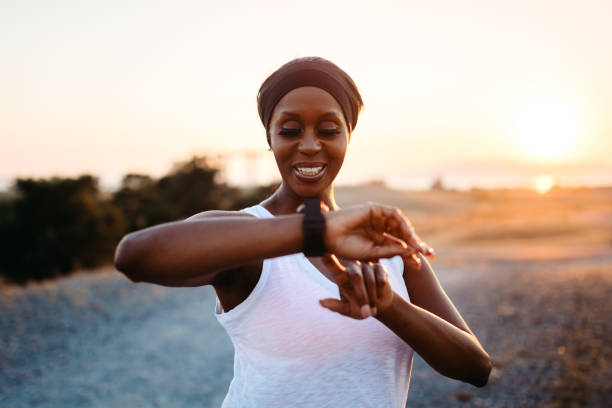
{"points": [[309, 191]]}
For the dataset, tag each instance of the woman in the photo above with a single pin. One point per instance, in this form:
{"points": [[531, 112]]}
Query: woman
{"points": [[313, 331]]}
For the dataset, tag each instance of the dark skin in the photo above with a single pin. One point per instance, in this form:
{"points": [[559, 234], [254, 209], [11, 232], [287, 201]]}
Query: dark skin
{"points": [[309, 137]]}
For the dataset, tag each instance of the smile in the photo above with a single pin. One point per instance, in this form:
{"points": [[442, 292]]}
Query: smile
{"points": [[309, 173]]}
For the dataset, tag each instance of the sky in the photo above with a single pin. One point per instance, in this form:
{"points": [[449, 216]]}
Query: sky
{"points": [[480, 93]]}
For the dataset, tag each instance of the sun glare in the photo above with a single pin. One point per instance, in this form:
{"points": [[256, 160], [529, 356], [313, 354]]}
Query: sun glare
{"points": [[547, 132], [544, 183]]}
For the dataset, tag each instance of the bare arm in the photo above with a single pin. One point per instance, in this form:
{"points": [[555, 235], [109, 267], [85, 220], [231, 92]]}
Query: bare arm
{"points": [[197, 249], [435, 330], [439, 335]]}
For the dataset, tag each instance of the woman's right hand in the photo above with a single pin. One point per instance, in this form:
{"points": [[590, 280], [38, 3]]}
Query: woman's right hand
{"points": [[372, 231], [363, 287]]}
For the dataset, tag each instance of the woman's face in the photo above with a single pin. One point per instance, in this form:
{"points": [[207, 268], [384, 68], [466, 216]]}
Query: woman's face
{"points": [[309, 137]]}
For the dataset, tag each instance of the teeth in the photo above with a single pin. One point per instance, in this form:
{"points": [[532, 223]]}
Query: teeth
{"points": [[309, 171]]}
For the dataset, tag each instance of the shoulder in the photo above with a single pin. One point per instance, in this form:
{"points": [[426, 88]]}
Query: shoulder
{"points": [[218, 214], [232, 285]]}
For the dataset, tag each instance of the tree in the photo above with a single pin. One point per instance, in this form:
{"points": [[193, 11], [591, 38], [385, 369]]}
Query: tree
{"points": [[50, 227], [54, 226], [142, 203], [191, 187]]}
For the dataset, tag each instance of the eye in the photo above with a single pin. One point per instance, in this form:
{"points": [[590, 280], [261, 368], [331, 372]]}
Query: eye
{"points": [[328, 128], [289, 131], [329, 131], [290, 128]]}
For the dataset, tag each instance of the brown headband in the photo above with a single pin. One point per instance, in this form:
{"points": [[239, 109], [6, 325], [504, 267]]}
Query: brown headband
{"points": [[310, 71]]}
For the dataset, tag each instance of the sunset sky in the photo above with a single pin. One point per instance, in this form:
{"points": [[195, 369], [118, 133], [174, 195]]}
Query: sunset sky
{"points": [[482, 93]]}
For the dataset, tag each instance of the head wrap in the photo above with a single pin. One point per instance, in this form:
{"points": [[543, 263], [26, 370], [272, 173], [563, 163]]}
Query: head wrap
{"points": [[310, 71]]}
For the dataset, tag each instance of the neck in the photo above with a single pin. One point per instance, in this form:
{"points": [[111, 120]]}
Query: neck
{"points": [[285, 201]]}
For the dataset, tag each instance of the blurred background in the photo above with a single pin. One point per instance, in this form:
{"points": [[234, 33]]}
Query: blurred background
{"points": [[488, 122]]}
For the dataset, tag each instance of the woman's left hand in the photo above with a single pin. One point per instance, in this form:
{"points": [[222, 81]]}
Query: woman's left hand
{"points": [[364, 288]]}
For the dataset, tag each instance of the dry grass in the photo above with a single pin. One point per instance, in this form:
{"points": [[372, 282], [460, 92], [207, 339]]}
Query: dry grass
{"points": [[511, 224]]}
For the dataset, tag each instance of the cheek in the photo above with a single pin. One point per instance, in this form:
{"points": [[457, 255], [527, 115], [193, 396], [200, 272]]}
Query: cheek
{"points": [[339, 152], [281, 151]]}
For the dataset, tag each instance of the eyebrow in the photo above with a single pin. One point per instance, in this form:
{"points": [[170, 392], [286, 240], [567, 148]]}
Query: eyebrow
{"points": [[295, 115]]}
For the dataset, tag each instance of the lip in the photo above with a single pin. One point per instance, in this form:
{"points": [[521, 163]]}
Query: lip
{"points": [[309, 179], [309, 164]]}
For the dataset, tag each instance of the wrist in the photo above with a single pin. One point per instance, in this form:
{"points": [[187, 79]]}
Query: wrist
{"points": [[385, 312], [328, 231]]}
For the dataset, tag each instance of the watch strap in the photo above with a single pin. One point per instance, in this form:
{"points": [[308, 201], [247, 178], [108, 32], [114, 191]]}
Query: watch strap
{"points": [[314, 228]]}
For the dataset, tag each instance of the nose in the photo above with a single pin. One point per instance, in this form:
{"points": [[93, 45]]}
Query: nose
{"points": [[309, 143]]}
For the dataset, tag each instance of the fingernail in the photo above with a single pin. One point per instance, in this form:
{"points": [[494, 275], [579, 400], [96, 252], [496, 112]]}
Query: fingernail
{"points": [[374, 311], [365, 311]]}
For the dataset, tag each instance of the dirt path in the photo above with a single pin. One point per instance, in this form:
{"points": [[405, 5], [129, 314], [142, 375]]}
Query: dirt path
{"points": [[98, 340]]}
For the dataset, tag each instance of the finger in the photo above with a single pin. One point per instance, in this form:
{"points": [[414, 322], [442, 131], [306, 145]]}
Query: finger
{"points": [[425, 249], [358, 289], [335, 305], [394, 240], [419, 244], [430, 252], [422, 246], [370, 283], [399, 226], [338, 271], [408, 233], [414, 262], [381, 275], [386, 251], [399, 222]]}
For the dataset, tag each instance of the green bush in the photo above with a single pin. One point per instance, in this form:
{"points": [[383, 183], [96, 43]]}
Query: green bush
{"points": [[54, 226], [50, 227]]}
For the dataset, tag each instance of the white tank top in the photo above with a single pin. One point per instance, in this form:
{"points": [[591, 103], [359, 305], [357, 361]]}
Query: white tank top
{"points": [[292, 352]]}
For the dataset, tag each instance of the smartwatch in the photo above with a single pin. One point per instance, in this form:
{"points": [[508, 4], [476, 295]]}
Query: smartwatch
{"points": [[314, 228]]}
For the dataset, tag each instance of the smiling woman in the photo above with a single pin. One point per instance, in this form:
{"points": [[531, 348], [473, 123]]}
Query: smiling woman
{"points": [[335, 330]]}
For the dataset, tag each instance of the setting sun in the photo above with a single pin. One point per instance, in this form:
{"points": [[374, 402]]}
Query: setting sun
{"points": [[547, 131], [544, 183]]}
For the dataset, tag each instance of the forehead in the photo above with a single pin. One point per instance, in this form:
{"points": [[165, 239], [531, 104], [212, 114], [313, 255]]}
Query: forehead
{"points": [[308, 100]]}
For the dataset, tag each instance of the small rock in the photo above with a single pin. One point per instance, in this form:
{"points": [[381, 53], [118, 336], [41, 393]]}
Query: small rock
{"points": [[462, 396]]}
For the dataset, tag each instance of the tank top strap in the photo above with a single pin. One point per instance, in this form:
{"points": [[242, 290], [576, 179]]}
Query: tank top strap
{"points": [[258, 211], [234, 316]]}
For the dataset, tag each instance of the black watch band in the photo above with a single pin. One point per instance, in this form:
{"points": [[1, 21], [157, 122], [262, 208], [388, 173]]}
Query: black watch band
{"points": [[314, 228]]}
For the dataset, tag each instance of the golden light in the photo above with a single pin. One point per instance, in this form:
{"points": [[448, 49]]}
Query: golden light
{"points": [[547, 131], [544, 183]]}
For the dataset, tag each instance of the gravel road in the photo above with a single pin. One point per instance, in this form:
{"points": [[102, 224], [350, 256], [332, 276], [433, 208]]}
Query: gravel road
{"points": [[97, 340]]}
